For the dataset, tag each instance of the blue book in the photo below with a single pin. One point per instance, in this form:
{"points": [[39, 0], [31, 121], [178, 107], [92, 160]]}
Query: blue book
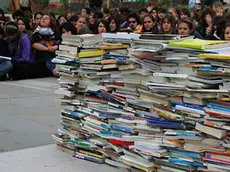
{"points": [[121, 128], [219, 108], [190, 154], [180, 161]]}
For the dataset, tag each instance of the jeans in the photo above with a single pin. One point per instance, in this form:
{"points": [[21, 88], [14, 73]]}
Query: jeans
{"points": [[5, 67]]}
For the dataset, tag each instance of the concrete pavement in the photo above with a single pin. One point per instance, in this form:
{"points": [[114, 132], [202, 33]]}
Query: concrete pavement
{"points": [[28, 113]]}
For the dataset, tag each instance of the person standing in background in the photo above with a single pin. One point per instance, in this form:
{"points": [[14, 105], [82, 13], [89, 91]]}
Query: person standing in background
{"points": [[25, 5]]}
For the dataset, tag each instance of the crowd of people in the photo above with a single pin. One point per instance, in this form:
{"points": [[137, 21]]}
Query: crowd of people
{"points": [[31, 40]]}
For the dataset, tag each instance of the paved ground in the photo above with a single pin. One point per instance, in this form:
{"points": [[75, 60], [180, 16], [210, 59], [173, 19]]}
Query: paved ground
{"points": [[28, 117], [28, 113], [47, 159]]}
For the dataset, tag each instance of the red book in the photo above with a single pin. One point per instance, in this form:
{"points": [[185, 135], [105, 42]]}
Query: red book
{"points": [[120, 142]]}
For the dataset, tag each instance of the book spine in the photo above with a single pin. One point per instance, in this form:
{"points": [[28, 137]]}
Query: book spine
{"points": [[88, 158]]}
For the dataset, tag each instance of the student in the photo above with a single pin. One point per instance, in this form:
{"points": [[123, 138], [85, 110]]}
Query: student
{"points": [[186, 28], [46, 39], [185, 13], [149, 25], [226, 35], [85, 11], [143, 12], [105, 11], [5, 65], [168, 25], [205, 24], [68, 29], [134, 23], [218, 24], [37, 19], [102, 27], [124, 13], [114, 26], [174, 13], [67, 15], [82, 25], [24, 26], [154, 13], [61, 19]]}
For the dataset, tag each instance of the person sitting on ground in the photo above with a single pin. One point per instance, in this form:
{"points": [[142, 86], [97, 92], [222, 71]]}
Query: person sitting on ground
{"points": [[18, 13], [37, 19], [134, 24], [186, 28], [68, 29], [82, 25], [114, 26], [150, 25], [24, 26], [5, 65], [168, 25], [46, 39], [102, 27]]}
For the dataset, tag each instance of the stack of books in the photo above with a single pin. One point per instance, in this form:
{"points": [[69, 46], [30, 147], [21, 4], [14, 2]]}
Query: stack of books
{"points": [[160, 105]]}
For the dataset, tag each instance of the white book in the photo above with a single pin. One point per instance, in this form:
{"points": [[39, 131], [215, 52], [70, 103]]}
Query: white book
{"points": [[218, 133]]}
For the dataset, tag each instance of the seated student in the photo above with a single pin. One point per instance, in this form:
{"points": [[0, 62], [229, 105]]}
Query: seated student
{"points": [[168, 25], [184, 13], [102, 27], [82, 25], [114, 25], [68, 29], [134, 24], [186, 28], [226, 35], [5, 65], [24, 26], [46, 39], [216, 23], [150, 25]]}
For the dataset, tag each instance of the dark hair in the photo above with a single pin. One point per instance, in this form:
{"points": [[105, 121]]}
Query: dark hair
{"points": [[28, 14], [74, 18], [226, 25], [66, 14], [69, 27], [2, 31], [59, 17], [26, 21], [110, 19], [87, 9], [154, 29], [143, 10], [171, 19], [37, 13], [99, 14], [204, 12], [124, 10], [18, 13], [105, 10], [53, 15], [136, 16], [154, 9], [162, 10], [188, 21], [11, 28], [105, 23], [186, 12], [2, 12]]}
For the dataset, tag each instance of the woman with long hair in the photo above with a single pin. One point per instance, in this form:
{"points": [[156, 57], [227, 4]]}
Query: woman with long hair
{"points": [[168, 25], [114, 26], [46, 39], [149, 25]]}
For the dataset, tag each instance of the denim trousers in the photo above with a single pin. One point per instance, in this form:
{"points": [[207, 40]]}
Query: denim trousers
{"points": [[5, 67]]}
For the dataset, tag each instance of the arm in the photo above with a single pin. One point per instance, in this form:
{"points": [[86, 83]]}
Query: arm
{"points": [[40, 47], [26, 49]]}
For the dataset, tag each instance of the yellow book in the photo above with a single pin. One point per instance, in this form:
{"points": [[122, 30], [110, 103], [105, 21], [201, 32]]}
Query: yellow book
{"points": [[95, 53], [215, 56], [91, 154], [112, 47], [200, 44]]}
